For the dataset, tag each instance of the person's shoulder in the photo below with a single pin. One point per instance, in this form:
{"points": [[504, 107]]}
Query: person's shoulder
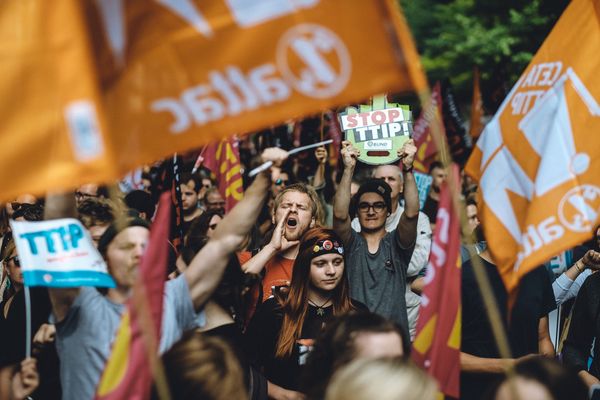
{"points": [[592, 281], [358, 306]]}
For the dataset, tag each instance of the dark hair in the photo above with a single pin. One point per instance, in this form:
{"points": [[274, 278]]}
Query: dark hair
{"points": [[295, 305], [372, 185], [141, 201], [434, 165], [561, 382], [199, 227], [30, 212], [335, 347], [186, 177], [228, 293], [96, 211]]}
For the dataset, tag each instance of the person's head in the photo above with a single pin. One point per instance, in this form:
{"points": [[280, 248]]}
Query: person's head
{"points": [[214, 201], [12, 206], [382, 379], [597, 238], [354, 335], [141, 202], [392, 175], [372, 204], [303, 205], [190, 186], [279, 180], [541, 378], [89, 191], [439, 175], [96, 215], [11, 262], [29, 212], [203, 367], [122, 246], [318, 268], [204, 225], [472, 217]]}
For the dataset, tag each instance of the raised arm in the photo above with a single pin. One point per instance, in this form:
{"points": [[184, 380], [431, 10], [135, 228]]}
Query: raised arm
{"points": [[341, 201], [206, 269], [407, 227], [61, 205]]}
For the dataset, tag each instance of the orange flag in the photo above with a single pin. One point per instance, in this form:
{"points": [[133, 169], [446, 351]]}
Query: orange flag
{"points": [[437, 342], [223, 159], [97, 88], [476, 125], [128, 373], [537, 161]]}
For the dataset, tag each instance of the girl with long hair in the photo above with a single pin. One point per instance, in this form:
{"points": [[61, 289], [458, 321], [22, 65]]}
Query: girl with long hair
{"points": [[284, 327]]}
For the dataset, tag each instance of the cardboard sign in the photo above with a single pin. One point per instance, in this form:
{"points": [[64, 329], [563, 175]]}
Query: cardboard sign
{"points": [[111, 85], [59, 253], [378, 130], [423, 184]]}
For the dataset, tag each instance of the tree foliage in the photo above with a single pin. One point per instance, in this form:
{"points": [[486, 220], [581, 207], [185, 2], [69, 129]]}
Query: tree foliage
{"points": [[498, 36]]}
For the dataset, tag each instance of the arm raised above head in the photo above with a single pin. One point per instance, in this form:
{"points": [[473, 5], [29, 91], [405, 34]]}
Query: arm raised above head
{"points": [[341, 201], [206, 269]]}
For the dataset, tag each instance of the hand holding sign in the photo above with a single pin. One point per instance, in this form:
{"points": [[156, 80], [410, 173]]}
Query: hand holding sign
{"points": [[407, 154], [349, 154]]}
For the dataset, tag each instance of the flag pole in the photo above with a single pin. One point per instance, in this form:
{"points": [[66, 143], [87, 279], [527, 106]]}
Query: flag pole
{"points": [[27, 322]]}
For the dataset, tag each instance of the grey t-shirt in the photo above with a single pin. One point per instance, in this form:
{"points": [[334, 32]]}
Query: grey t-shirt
{"points": [[379, 280], [84, 338]]}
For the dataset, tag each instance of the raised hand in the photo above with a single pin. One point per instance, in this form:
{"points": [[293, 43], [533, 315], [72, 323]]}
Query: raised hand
{"points": [[275, 155], [407, 154], [591, 259], [25, 380], [278, 240], [349, 154]]}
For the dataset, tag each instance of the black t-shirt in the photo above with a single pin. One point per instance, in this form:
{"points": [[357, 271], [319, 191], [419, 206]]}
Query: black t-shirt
{"points": [[430, 208], [263, 333], [535, 300]]}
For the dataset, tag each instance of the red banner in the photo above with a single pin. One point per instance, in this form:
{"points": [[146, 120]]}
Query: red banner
{"points": [[223, 159], [437, 342], [426, 148]]}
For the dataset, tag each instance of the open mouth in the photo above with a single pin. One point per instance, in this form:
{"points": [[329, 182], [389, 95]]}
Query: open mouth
{"points": [[292, 222]]}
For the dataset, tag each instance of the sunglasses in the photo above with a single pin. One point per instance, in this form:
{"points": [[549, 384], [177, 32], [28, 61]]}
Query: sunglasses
{"points": [[15, 259], [280, 182]]}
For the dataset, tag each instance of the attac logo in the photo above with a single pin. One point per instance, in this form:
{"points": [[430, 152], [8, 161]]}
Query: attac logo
{"points": [[378, 130]]}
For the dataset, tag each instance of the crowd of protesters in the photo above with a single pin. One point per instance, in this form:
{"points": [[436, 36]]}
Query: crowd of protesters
{"points": [[309, 288]]}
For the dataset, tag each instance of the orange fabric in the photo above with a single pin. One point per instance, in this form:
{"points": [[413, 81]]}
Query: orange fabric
{"points": [[476, 107], [537, 161], [278, 272], [100, 87]]}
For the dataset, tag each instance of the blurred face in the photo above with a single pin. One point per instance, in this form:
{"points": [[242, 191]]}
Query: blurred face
{"points": [[189, 197], [212, 225], [300, 218], [391, 174], [206, 184], [326, 271], [96, 231], [525, 389], [439, 176], [472, 217], [214, 201], [124, 254], [12, 206], [280, 181], [84, 192], [372, 212], [378, 345], [13, 269]]}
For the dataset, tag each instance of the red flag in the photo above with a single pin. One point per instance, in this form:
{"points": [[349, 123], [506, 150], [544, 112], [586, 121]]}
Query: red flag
{"points": [[335, 134], [223, 159], [128, 373], [476, 107], [437, 342], [426, 148]]}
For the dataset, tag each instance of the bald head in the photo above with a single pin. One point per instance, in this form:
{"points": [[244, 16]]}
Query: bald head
{"points": [[392, 175]]}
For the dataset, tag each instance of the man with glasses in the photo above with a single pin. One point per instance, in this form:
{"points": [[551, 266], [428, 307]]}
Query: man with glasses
{"points": [[90, 191], [378, 260]]}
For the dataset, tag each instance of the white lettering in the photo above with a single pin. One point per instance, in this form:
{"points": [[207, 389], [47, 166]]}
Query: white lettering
{"points": [[270, 90], [182, 120]]}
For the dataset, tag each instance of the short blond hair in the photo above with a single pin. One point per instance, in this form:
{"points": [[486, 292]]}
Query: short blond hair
{"points": [[382, 379]]}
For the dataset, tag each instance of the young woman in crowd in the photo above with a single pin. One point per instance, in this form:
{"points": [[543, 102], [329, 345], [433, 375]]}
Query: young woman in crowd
{"points": [[283, 329]]}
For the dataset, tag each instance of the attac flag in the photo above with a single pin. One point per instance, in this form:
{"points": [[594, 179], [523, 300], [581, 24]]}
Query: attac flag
{"points": [[426, 148], [128, 373], [98, 88], [223, 159], [437, 342], [476, 125], [537, 161]]}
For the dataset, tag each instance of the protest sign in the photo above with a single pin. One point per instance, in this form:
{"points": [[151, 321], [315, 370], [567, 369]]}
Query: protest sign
{"points": [[378, 130], [423, 184], [537, 160], [59, 253], [111, 85]]}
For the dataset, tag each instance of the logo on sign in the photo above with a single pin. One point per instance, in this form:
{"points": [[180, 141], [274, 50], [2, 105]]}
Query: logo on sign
{"points": [[314, 60], [578, 209]]}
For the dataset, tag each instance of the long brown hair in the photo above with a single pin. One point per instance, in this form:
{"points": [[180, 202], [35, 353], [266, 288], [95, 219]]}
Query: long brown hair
{"points": [[295, 305]]}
